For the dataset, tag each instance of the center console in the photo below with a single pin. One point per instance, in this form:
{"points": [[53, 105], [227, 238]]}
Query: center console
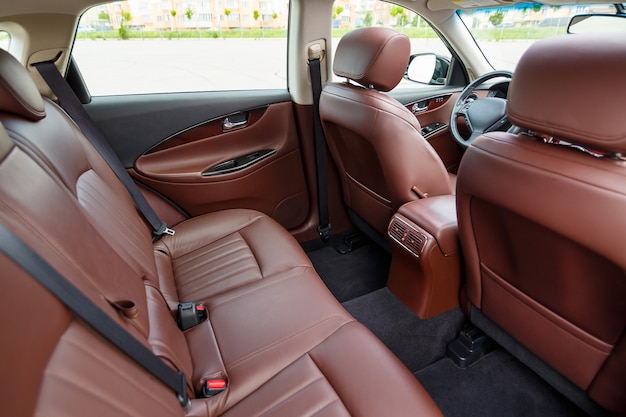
{"points": [[426, 269]]}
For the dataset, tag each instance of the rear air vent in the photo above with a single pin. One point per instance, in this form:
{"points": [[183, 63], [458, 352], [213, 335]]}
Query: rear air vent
{"points": [[397, 230], [407, 236], [414, 241]]}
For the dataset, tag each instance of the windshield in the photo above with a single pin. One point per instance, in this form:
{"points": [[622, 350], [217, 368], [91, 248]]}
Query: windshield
{"points": [[504, 33]]}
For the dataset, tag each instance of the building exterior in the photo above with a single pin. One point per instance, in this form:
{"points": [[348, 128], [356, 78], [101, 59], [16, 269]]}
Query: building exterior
{"points": [[189, 14]]}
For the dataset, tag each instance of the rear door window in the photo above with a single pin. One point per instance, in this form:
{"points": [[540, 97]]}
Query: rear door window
{"points": [[142, 46]]}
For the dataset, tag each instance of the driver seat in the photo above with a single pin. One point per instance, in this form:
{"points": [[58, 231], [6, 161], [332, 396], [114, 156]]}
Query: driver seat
{"points": [[375, 141], [541, 219]]}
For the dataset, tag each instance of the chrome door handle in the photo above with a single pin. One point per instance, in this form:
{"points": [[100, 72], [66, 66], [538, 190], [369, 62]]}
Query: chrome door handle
{"points": [[228, 125]]}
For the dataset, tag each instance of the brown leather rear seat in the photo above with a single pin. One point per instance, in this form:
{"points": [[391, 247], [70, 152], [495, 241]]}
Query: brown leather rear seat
{"points": [[274, 332]]}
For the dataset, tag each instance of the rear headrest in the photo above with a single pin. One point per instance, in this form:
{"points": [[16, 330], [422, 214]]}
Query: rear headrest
{"points": [[373, 56], [18, 93], [572, 87]]}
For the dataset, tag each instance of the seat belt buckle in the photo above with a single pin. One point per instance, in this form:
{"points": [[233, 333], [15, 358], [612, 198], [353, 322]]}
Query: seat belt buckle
{"points": [[213, 387], [324, 232], [190, 315]]}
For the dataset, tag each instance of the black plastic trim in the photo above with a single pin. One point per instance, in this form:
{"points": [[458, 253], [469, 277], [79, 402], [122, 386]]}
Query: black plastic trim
{"points": [[237, 164], [134, 124]]}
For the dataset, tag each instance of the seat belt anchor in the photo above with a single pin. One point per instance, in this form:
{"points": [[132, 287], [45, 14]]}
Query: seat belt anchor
{"points": [[324, 232], [181, 395]]}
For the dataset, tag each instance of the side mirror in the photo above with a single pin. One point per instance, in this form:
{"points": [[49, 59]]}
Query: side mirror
{"points": [[596, 23], [427, 68]]}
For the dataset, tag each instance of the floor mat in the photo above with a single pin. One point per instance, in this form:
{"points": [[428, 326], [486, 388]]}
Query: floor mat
{"points": [[497, 385], [351, 275], [417, 343]]}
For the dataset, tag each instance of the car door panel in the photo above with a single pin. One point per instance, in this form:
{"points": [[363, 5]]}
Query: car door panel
{"points": [[274, 184], [171, 145], [134, 124]]}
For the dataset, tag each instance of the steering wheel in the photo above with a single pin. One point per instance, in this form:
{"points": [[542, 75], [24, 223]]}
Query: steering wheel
{"points": [[481, 114]]}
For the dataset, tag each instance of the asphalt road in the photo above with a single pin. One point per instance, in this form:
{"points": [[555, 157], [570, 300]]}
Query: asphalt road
{"points": [[160, 65]]}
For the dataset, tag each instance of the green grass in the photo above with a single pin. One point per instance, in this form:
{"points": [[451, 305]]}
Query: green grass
{"points": [[517, 33], [424, 32]]}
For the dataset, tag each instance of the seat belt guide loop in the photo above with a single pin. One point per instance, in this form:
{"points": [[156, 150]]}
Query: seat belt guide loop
{"points": [[315, 52]]}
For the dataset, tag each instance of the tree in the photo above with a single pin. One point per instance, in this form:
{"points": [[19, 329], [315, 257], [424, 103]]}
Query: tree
{"points": [[337, 10], [104, 16], [255, 15], [123, 30], [496, 18], [189, 13], [368, 19], [173, 12], [400, 15], [227, 13], [417, 21]]}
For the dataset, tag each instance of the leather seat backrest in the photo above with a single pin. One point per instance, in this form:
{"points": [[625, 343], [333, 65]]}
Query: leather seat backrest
{"points": [[61, 199], [375, 141], [541, 218]]}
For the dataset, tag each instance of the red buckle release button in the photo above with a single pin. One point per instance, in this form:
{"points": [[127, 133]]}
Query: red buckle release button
{"points": [[213, 387], [216, 384]]}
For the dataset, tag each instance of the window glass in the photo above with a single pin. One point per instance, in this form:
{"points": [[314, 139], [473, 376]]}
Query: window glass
{"points": [[504, 33], [349, 15], [158, 46], [5, 40]]}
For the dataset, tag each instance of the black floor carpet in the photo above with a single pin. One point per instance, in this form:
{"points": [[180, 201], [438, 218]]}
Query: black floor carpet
{"points": [[497, 385], [351, 275], [417, 343]]}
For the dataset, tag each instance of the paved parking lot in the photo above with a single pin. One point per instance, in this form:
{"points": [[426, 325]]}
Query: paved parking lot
{"points": [[161, 65]]}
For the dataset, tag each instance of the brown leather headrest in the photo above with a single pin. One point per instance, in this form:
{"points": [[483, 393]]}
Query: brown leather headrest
{"points": [[571, 87], [373, 56], [18, 93]]}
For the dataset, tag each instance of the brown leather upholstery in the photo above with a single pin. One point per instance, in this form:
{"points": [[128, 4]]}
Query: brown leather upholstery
{"points": [[426, 265], [284, 344], [375, 141], [374, 57], [541, 224], [559, 93], [18, 93]]}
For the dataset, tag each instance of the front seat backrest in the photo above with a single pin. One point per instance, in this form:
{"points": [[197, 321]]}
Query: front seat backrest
{"points": [[375, 141], [541, 214]]}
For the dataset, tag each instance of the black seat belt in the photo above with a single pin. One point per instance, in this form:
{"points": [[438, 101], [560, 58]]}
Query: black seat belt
{"points": [[74, 108], [16, 250], [320, 149]]}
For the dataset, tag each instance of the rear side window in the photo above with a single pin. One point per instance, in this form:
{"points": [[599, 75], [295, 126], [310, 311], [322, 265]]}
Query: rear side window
{"points": [[5, 40], [143, 46]]}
